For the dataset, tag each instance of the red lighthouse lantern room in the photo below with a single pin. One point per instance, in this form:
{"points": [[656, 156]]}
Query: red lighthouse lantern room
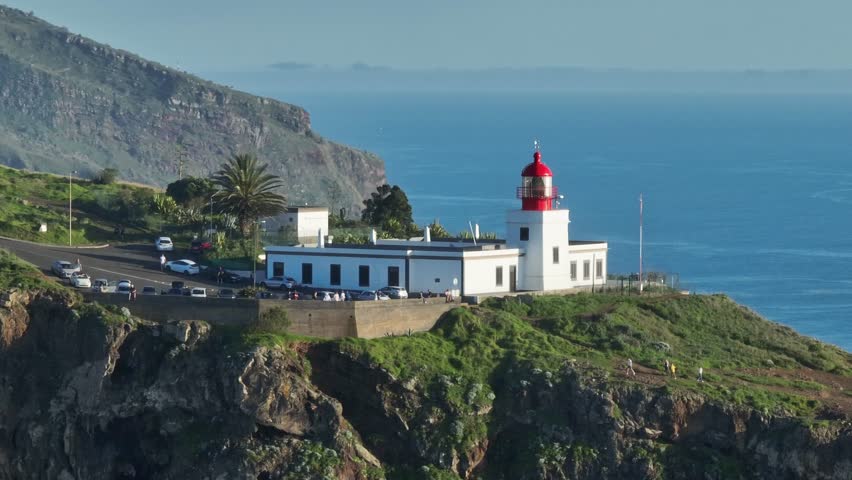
{"points": [[537, 191]]}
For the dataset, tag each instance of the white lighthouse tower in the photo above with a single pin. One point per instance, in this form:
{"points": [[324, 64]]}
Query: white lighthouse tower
{"points": [[540, 231]]}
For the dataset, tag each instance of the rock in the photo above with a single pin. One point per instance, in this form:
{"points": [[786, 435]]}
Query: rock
{"points": [[663, 346], [650, 433], [125, 312]]}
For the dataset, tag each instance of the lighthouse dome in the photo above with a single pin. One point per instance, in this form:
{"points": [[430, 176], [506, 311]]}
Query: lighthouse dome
{"points": [[537, 168]]}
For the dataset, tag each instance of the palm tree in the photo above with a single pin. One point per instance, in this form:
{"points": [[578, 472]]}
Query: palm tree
{"points": [[247, 191]]}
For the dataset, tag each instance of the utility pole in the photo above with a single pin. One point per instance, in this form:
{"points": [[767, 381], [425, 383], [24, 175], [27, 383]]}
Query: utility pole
{"points": [[257, 225], [74, 172], [211, 218], [641, 212]]}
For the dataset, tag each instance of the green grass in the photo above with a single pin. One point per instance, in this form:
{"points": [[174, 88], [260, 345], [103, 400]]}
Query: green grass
{"points": [[490, 345], [15, 273], [31, 198]]}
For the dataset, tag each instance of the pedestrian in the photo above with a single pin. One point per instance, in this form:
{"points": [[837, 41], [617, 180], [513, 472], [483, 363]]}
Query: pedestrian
{"points": [[674, 370], [700, 374], [343, 295], [422, 297], [220, 275], [133, 293], [162, 261], [630, 370], [447, 296], [336, 296], [668, 367], [316, 296], [121, 232], [79, 265]]}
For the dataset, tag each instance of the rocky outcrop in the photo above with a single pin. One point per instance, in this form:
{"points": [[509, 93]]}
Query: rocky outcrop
{"points": [[93, 393], [67, 102], [90, 394], [576, 423]]}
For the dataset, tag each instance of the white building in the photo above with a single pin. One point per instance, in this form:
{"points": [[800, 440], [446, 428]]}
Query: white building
{"points": [[306, 222], [537, 254]]}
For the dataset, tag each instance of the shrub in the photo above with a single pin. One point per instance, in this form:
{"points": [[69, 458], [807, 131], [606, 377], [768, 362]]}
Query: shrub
{"points": [[274, 320], [107, 176]]}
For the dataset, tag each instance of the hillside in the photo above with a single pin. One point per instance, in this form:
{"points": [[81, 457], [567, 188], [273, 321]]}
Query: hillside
{"points": [[70, 103], [511, 390]]}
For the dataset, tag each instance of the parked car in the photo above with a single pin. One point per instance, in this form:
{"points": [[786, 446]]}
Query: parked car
{"points": [[183, 266], [395, 292], [265, 294], [64, 269], [173, 291], [325, 295], [81, 280], [164, 244], [178, 284], [198, 292], [372, 295], [123, 286], [199, 246], [279, 282], [227, 293], [149, 290], [100, 285]]}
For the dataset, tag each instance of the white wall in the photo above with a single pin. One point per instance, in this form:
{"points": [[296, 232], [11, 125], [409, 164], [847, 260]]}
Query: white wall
{"points": [[306, 222], [547, 229], [590, 253], [425, 271], [348, 269], [480, 273]]}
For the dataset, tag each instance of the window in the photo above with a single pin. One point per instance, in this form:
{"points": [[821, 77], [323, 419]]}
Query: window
{"points": [[555, 255], [363, 275], [586, 269], [573, 270], [599, 269], [393, 276], [307, 273], [334, 274], [499, 276], [277, 269], [525, 234]]}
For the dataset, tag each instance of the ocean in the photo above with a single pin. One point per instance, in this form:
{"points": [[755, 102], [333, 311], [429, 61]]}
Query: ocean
{"points": [[747, 195]]}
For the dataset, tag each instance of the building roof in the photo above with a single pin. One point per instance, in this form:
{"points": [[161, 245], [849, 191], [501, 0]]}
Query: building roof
{"points": [[307, 208], [537, 168]]}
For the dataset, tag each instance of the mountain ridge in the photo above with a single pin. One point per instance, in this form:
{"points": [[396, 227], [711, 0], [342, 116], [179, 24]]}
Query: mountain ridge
{"points": [[70, 103]]}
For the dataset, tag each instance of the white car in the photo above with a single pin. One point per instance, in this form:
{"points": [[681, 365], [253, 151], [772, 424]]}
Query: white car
{"points": [[101, 285], [395, 292], [372, 295], [183, 266], [198, 292], [81, 280], [164, 244], [123, 286], [64, 268], [279, 282]]}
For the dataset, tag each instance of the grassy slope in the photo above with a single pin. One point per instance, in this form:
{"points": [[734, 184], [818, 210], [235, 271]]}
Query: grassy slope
{"points": [[728, 340], [31, 198]]}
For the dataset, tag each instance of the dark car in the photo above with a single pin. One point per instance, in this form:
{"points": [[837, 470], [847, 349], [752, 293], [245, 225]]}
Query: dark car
{"points": [[265, 294], [227, 293], [173, 291], [178, 284], [149, 290], [199, 246]]}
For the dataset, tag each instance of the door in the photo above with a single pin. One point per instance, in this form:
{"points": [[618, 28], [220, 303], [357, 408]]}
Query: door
{"points": [[393, 276], [513, 278]]}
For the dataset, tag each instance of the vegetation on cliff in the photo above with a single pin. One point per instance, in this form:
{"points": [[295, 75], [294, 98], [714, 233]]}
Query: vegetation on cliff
{"points": [[517, 388], [70, 103]]}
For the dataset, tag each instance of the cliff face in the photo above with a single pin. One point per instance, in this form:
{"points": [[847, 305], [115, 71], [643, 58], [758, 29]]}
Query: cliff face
{"points": [[87, 393], [69, 103]]}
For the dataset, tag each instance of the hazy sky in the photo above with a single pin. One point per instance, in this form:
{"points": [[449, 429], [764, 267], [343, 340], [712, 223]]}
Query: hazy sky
{"points": [[673, 34]]}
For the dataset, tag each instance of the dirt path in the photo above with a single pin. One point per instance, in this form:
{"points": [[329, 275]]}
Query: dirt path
{"points": [[835, 391]]}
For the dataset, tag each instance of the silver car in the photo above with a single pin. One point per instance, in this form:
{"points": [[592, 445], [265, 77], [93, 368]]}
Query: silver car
{"points": [[64, 269]]}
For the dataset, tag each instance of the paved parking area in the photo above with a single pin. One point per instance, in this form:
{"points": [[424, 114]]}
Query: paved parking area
{"points": [[137, 262]]}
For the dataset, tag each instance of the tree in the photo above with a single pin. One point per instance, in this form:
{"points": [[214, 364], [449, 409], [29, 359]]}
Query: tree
{"points": [[247, 191], [386, 203], [107, 176], [191, 191]]}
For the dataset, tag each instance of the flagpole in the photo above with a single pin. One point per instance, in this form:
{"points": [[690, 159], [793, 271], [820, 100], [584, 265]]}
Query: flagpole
{"points": [[641, 209]]}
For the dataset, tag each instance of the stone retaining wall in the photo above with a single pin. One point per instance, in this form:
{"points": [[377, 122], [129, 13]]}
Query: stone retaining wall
{"points": [[308, 317]]}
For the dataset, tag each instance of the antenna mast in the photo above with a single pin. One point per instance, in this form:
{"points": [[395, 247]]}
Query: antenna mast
{"points": [[641, 208]]}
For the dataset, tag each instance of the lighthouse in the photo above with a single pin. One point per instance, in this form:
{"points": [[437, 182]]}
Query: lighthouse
{"points": [[539, 230]]}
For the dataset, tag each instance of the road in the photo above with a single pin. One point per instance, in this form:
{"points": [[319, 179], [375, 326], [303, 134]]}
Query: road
{"points": [[138, 263]]}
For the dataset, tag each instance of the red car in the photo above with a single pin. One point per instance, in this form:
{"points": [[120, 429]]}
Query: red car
{"points": [[198, 246]]}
